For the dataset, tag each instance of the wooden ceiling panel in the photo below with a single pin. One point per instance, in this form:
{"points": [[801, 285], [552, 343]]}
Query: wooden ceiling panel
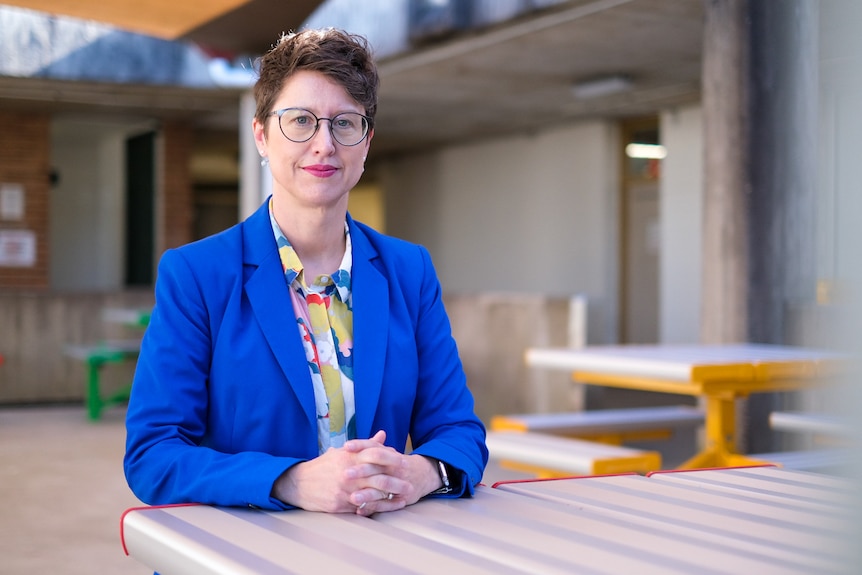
{"points": [[167, 19], [230, 27]]}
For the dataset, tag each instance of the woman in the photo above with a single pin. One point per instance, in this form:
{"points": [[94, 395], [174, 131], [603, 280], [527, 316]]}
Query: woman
{"points": [[290, 359]]}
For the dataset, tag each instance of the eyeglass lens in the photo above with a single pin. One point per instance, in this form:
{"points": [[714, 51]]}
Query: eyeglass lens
{"points": [[298, 125]]}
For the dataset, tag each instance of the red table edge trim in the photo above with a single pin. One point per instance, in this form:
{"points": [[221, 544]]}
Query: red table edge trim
{"points": [[648, 474], [651, 473], [538, 479], [143, 508]]}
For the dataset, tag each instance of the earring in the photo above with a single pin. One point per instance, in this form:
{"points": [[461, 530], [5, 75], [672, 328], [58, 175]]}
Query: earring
{"points": [[264, 161]]}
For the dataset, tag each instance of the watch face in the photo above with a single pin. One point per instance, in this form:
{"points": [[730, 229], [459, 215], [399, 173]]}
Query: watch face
{"points": [[444, 475]]}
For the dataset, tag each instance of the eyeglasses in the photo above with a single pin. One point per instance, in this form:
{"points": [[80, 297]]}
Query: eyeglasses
{"points": [[299, 125]]}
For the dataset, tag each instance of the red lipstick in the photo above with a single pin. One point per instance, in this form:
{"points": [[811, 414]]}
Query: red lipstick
{"points": [[320, 170]]}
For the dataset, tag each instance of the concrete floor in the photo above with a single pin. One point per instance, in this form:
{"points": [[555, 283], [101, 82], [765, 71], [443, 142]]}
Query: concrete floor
{"points": [[62, 492]]}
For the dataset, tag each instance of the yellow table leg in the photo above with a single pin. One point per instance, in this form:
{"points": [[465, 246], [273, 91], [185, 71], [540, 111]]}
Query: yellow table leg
{"points": [[720, 449]]}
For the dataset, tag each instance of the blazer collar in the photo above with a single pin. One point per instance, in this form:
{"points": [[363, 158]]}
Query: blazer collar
{"points": [[370, 327], [268, 296]]}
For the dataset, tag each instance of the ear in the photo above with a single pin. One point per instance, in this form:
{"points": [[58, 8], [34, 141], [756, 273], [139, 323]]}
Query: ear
{"points": [[259, 136]]}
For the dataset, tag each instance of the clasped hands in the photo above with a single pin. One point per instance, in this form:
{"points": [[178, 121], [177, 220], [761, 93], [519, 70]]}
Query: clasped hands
{"points": [[363, 477]]}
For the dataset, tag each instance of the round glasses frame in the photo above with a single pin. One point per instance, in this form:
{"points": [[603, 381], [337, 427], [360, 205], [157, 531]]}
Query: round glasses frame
{"points": [[366, 125]]}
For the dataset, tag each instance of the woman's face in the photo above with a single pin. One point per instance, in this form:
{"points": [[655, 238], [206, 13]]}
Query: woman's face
{"points": [[318, 173]]}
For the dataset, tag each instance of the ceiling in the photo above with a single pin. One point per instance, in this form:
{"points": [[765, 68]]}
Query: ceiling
{"points": [[518, 77], [510, 78], [230, 26]]}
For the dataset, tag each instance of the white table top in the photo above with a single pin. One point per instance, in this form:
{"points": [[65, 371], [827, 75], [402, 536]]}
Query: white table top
{"points": [[793, 520], [728, 521], [670, 362]]}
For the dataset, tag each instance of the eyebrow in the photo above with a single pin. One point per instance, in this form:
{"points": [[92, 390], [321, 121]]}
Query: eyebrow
{"points": [[309, 109]]}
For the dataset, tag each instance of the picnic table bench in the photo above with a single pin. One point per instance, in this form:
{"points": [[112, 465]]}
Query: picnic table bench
{"points": [[809, 422], [95, 357], [548, 456], [833, 456], [613, 426], [585, 442]]}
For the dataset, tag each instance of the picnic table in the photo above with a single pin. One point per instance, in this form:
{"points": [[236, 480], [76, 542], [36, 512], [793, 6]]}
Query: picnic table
{"points": [[720, 374], [132, 317], [751, 520], [97, 355]]}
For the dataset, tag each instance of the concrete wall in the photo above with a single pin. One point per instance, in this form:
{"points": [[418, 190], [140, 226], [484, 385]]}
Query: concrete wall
{"points": [[532, 214], [36, 328], [681, 208], [492, 330]]}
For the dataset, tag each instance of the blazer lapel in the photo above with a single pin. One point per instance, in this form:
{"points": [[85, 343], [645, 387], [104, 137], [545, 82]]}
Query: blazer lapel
{"points": [[270, 301], [370, 291]]}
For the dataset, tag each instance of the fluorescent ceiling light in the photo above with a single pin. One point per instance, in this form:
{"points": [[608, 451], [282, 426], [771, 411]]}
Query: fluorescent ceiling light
{"points": [[651, 151], [603, 86]]}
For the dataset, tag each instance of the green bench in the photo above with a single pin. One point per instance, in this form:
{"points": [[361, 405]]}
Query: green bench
{"points": [[95, 357]]}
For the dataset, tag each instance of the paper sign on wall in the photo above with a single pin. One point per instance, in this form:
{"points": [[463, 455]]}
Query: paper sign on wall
{"points": [[17, 248], [11, 202]]}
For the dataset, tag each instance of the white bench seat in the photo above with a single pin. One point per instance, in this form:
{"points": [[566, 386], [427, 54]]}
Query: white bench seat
{"points": [[806, 422], [603, 421], [552, 456]]}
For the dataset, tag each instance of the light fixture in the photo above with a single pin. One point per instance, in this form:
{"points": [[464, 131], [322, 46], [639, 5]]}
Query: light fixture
{"points": [[650, 151], [602, 86]]}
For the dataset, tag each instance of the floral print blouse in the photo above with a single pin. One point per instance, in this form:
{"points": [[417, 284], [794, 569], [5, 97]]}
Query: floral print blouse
{"points": [[324, 317]]}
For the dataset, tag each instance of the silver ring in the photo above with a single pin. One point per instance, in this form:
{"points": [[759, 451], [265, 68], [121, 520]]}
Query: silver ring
{"points": [[363, 505], [389, 496]]}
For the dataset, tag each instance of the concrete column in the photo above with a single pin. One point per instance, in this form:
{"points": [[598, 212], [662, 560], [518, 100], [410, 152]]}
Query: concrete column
{"points": [[724, 308], [783, 159], [783, 209], [254, 181]]}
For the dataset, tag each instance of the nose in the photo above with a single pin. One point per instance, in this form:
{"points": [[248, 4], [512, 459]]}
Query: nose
{"points": [[329, 138]]}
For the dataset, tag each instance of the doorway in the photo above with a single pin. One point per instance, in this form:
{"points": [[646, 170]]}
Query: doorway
{"points": [[140, 209], [640, 230]]}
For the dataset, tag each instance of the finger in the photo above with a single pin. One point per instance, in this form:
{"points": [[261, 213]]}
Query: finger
{"points": [[377, 493], [363, 470], [382, 456], [381, 505], [367, 496], [377, 440]]}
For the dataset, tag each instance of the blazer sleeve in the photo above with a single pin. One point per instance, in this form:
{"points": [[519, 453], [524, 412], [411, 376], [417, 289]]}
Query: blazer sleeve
{"points": [[167, 459], [444, 424]]}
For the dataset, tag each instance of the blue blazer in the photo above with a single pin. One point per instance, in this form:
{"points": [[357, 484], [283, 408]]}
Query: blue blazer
{"points": [[222, 400]]}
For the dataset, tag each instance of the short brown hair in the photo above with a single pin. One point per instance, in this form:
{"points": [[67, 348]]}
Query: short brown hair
{"points": [[342, 57]]}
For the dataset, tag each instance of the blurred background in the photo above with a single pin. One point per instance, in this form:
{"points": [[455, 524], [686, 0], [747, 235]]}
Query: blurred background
{"points": [[582, 171], [599, 171]]}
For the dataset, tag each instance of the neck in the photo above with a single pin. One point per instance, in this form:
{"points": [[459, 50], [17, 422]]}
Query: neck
{"points": [[316, 236]]}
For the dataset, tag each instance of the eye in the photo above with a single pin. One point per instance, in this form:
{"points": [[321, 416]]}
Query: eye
{"points": [[348, 121], [344, 122], [303, 120], [297, 118]]}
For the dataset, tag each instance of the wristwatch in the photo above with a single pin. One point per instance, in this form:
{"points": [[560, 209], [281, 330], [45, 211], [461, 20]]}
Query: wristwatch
{"points": [[443, 469]]}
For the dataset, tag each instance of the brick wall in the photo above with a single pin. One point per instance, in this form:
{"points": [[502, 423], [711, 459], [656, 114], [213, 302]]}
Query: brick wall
{"points": [[177, 202], [25, 140]]}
